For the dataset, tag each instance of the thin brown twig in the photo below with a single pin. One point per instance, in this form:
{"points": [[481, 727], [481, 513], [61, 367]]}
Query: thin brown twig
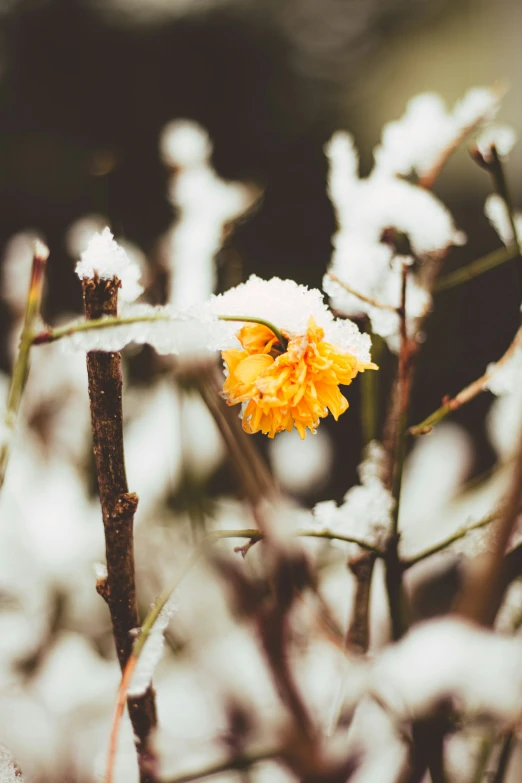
{"points": [[485, 588], [428, 180], [242, 762], [21, 363], [260, 487], [393, 565], [252, 471], [496, 170], [363, 297], [492, 163], [326, 621], [506, 747], [358, 633], [118, 506], [458, 535], [477, 267], [466, 394]]}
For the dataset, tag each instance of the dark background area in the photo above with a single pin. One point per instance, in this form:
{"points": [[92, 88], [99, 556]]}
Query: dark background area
{"points": [[84, 94]]}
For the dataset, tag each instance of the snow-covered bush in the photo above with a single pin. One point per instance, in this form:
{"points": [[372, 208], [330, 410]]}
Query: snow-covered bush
{"points": [[374, 639]]}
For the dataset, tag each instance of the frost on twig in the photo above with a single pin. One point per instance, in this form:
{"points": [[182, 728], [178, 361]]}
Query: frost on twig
{"points": [[367, 509], [117, 503], [167, 330], [422, 138], [106, 259], [504, 421], [366, 211], [505, 377], [290, 306], [497, 213], [9, 770], [200, 330], [152, 650]]}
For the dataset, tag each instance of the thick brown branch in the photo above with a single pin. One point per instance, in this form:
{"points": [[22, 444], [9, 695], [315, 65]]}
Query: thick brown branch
{"points": [[117, 503]]}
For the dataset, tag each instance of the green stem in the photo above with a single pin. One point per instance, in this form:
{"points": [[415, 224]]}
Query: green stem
{"points": [[369, 395], [447, 542], [336, 537], [427, 424], [159, 605], [251, 319], [363, 297], [468, 393], [242, 762], [50, 335], [476, 268], [218, 535], [506, 749], [21, 364], [484, 753]]}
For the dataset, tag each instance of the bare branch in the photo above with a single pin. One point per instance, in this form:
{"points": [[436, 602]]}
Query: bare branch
{"points": [[466, 394], [118, 504]]}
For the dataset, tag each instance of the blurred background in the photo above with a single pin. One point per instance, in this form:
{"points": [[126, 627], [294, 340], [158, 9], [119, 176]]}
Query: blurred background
{"points": [[86, 88]]}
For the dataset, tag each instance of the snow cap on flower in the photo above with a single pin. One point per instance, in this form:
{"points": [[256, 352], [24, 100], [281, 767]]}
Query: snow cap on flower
{"points": [[105, 258], [292, 378], [284, 303], [289, 306]]}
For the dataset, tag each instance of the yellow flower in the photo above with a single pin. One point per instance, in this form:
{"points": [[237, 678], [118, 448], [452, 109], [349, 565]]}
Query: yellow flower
{"points": [[296, 387]]}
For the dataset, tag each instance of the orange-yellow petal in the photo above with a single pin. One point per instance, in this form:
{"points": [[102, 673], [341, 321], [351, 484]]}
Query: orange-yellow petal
{"points": [[252, 367], [256, 338], [296, 388]]}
